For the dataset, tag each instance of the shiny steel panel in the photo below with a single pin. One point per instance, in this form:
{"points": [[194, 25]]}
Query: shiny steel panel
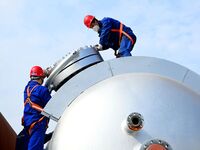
{"points": [[74, 87], [70, 65], [94, 120], [73, 69], [99, 72]]}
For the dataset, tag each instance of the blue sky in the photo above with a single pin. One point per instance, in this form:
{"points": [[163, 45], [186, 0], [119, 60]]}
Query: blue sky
{"points": [[40, 32]]}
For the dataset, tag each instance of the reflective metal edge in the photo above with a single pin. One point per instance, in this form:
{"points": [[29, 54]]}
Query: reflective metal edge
{"points": [[71, 59], [136, 64]]}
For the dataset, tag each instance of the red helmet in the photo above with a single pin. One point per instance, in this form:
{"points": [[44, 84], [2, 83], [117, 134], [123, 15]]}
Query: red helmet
{"points": [[88, 20], [37, 71]]}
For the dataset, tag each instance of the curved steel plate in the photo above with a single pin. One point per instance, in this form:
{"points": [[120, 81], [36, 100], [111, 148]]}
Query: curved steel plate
{"points": [[101, 71], [170, 110], [70, 65]]}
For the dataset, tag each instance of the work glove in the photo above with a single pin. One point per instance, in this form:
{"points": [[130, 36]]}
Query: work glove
{"points": [[116, 54], [98, 47], [48, 71]]}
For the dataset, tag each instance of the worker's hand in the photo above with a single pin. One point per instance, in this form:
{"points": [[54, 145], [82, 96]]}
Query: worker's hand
{"points": [[98, 47], [48, 71], [117, 54]]}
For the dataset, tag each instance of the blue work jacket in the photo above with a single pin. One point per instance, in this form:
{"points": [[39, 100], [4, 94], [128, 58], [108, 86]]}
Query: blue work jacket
{"points": [[109, 39], [40, 96]]}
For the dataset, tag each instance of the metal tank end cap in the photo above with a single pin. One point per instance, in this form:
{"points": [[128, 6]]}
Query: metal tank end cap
{"points": [[133, 123], [156, 144]]}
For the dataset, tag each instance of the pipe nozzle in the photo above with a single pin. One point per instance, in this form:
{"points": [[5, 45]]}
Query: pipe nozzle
{"points": [[135, 121]]}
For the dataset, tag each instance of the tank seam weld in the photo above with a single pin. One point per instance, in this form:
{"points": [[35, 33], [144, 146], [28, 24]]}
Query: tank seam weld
{"points": [[110, 69], [184, 77]]}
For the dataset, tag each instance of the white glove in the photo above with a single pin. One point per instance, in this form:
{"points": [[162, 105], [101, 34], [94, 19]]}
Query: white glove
{"points": [[98, 47]]}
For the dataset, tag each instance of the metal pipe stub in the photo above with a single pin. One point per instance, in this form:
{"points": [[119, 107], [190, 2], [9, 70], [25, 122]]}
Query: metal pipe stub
{"points": [[135, 121]]}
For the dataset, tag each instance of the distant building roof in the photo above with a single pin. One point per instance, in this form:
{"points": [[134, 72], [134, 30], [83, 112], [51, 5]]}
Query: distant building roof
{"points": [[7, 135]]}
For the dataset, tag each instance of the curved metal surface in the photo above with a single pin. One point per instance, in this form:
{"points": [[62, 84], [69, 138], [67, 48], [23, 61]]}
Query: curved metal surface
{"points": [[70, 65], [104, 70], [72, 70], [94, 119]]}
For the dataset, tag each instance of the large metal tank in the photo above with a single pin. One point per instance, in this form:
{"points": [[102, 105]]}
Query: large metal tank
{"points": [[132, 103]]}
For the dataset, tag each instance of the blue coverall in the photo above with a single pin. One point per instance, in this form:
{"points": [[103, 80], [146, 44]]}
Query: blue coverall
{"points": [[35, 137], [110, 39]]}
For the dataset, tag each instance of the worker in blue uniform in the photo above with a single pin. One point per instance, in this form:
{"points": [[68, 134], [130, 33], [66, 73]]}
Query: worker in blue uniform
{"points": [[113, 34], [36, 97]]}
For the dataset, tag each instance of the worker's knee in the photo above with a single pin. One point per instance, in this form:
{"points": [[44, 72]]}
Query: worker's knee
{"points": [[125, 53]]}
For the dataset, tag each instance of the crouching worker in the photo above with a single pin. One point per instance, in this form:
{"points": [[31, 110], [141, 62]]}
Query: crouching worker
{"points": [[113, 34], [35, 124]]}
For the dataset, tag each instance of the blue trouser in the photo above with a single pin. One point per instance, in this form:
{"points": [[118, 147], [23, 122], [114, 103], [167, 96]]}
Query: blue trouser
{"points": [[22, 140], [35, 141], [126, 47]]}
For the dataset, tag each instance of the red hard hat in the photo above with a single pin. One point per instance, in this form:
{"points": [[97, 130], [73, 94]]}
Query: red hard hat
{"points": [[88, 20], [37, 71]]}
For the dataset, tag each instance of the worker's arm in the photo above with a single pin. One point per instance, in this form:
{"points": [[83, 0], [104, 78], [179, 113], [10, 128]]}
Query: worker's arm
{"points": [[45, 95], [105, 33]]}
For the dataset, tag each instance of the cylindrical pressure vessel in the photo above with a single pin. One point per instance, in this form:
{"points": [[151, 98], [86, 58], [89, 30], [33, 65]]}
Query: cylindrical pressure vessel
{"points": [[142, 103]]}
